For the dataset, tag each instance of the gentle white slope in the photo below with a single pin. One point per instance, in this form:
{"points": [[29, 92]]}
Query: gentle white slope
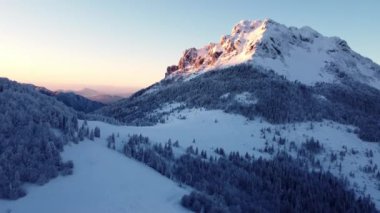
{"points": [[103, 181], [211, 129], [106, 181]]}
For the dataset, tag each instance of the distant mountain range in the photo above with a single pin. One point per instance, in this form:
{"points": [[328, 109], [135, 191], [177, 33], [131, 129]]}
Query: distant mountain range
{"points": [[99, 96], [85, 100], [71, 99]]}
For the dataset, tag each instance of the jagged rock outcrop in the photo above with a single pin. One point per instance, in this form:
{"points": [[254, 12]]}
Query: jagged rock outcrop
{"points": [[299, 54]]}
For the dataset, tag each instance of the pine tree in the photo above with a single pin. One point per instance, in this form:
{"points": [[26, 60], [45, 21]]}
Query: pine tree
{"points": [[111, 141], [92, 135], [97, 132]]}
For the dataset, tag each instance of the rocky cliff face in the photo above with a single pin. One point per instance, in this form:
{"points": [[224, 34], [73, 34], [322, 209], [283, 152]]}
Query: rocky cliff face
{"points": [[299, 54]]}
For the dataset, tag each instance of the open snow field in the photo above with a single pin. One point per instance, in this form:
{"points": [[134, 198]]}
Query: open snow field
{"points": [[105, 180], [211, 129]]}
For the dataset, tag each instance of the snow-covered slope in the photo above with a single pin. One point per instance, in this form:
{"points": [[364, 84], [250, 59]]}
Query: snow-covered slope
{"points": [[103, 181], [211, 129], [299, 54]]}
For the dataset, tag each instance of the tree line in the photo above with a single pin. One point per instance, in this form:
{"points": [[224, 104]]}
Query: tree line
{"points": [[234, 182]]}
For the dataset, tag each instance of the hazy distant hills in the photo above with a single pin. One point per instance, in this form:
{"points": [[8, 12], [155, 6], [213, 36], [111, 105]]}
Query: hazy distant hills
{"points": [[77, 102], [85, 100], [98, 96]]}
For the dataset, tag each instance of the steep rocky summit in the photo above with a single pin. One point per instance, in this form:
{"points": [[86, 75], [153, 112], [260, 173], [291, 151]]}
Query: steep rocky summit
{"points": [[299, 54]]}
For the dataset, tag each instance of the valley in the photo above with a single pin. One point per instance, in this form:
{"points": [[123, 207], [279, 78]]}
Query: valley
{"points": [[130, 185]]}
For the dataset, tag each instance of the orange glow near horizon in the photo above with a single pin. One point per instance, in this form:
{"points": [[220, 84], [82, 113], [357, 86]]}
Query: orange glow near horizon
{"points": [[59, 67], [60, 58], [129, 44]]}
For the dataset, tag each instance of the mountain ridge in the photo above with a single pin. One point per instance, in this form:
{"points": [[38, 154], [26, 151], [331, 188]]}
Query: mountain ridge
{"points": [[294, 88], [71, 99], [299, 54], [95, 95]]}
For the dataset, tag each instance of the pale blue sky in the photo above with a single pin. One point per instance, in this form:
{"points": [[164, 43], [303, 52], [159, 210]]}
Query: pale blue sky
{"points": [[74, 43]]}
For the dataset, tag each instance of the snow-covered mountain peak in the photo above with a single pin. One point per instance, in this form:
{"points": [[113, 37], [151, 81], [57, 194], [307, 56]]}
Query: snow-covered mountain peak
{"points": [[300, 54], [246, 26]]}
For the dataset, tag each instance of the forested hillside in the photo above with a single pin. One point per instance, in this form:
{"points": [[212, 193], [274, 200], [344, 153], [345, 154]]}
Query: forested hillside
{"points": [[71, 99], [235, 182], [33, 129], [253, 91]]}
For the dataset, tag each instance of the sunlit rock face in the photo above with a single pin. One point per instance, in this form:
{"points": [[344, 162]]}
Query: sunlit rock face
{"points": [[299, 54]]}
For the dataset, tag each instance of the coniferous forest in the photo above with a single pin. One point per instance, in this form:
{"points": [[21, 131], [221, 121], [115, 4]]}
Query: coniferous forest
{"points": [[235, 182], [33, 131], [348, 103]]}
